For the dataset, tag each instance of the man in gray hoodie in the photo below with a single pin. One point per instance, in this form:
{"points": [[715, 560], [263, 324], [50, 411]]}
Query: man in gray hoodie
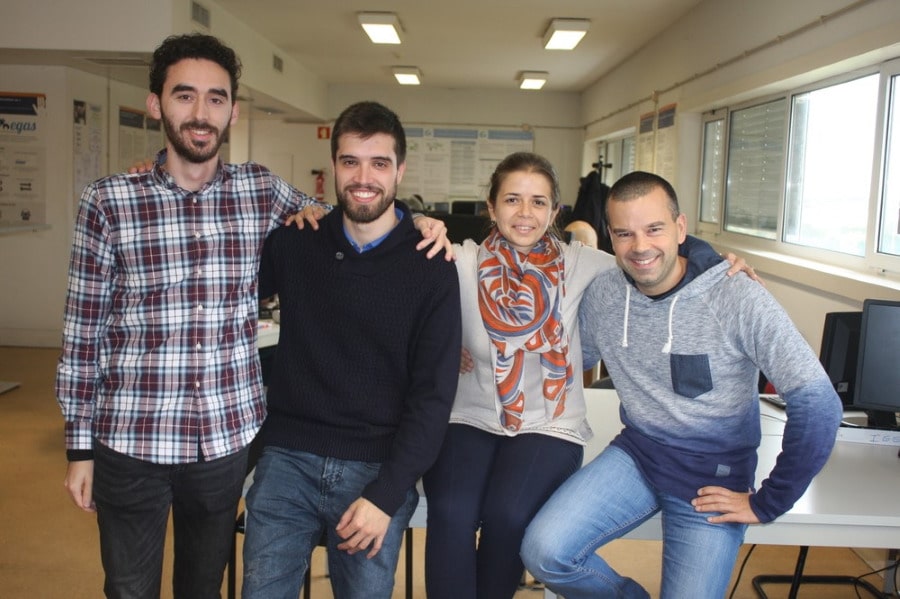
{"points": [[684, 345]]}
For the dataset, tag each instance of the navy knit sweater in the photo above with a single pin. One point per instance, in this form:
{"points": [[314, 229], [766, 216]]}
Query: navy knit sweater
{"points": [[368, 354]]}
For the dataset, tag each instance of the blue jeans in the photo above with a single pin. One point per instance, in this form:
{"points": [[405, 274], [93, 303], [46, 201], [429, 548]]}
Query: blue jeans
{"points": [[603, 501], [133, 499], [496, 484], [295, 497]]}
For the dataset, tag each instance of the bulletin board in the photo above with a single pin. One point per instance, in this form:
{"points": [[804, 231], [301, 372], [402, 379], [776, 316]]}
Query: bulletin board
{"points": [[455, 163], [23, 154], [140, 137], [666, 143]]}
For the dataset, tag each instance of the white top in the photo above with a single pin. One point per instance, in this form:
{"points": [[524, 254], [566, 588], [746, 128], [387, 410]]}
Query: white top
{"points": [[477, 403]]}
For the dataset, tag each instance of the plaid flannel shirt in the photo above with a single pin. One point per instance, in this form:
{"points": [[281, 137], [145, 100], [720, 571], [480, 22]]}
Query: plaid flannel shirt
{"points": [[159, 357]]}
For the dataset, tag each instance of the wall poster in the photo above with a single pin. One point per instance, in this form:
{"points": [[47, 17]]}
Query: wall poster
{"points": [[444, 164], [645, 143], [87, 145], [23, 202], [666, 143]]}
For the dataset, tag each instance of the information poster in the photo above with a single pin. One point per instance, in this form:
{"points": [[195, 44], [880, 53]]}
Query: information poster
{"points": [[666, 142], [645, 143], [133, 140], [87, 123], [452, 163], [22, 160]]}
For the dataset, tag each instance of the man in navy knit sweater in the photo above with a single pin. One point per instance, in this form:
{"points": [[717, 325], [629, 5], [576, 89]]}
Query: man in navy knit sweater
{"points": [[363, 380]]}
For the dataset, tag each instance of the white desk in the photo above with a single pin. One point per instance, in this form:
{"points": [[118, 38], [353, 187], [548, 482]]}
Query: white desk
{"points": [[853, 502], [267, 333]]}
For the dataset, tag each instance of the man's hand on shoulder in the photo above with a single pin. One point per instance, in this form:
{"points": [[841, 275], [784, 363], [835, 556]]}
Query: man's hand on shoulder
{"points": [[738, 264], [309, 214], [434, 233], [141, 166]]}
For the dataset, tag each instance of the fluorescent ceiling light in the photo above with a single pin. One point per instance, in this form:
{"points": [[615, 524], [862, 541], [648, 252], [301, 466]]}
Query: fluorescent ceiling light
{"points": [[564, 34], [407, 75], [532, 79], [381, 27]]}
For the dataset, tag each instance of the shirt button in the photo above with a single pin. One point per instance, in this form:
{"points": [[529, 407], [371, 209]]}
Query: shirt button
{"points": [[200, 307], [199, 346], [196, 234], [196, 384], [339, 256]]}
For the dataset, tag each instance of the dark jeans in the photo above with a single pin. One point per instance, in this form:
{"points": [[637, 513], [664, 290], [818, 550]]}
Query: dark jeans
{"points": [[133, 499], [495, 483], [295, 497]]}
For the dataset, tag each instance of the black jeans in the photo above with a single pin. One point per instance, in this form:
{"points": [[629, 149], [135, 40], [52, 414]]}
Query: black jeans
{"points": [[133, 499], [493, 484]]}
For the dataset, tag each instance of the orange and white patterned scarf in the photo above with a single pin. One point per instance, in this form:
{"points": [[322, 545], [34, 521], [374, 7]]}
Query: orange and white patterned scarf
{"points": [[520, 299]]}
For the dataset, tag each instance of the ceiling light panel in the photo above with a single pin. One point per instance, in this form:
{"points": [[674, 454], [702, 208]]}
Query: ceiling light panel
{"points": [[564, 34], [407, 75], [381, 27], [532, 79]]}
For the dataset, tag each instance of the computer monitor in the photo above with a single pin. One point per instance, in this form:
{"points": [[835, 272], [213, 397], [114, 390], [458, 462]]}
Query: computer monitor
{"points": [[878, 372], [477, 208], [838, 355], [465, 226]]}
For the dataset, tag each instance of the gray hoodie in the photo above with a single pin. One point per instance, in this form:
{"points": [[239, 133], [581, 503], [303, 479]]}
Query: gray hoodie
{"points": [[686, 368]]}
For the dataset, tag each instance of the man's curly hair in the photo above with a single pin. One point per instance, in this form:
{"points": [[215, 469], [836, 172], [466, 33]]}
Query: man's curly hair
{"points": [[192, 45]]}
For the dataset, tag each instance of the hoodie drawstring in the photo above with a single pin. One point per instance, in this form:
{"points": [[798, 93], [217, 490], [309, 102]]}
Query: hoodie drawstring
{"points": [[627, 304], [667, 348]]}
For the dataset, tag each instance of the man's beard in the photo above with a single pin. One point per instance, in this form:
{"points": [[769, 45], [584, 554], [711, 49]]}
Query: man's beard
{"points": [[188, 151], [365, 213]]}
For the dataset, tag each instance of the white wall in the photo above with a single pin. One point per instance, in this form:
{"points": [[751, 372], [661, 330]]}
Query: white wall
{"points": [[726, 51], [712, 34], [34, 267], [34, 264], [296, 85], [292, 151], [553, 117], [98, 25]]}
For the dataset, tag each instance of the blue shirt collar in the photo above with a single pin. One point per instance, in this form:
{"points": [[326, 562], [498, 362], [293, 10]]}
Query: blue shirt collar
{"points": [[375, 242]]}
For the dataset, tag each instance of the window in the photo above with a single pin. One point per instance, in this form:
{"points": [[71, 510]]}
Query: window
{"points": [[619, 153], [830, 166], [755, 169], [812, 174], [713, 173], [889, 218]]}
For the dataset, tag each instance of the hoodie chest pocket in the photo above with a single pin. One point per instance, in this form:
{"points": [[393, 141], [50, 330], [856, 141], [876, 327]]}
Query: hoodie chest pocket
{"points": [[691, 376]]}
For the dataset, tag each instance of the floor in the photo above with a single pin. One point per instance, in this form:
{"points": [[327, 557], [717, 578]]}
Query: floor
{"points": [[49, 549]]}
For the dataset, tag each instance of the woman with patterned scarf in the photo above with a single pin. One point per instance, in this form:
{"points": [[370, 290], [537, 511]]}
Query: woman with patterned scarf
{"points": [[518, 427]]}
